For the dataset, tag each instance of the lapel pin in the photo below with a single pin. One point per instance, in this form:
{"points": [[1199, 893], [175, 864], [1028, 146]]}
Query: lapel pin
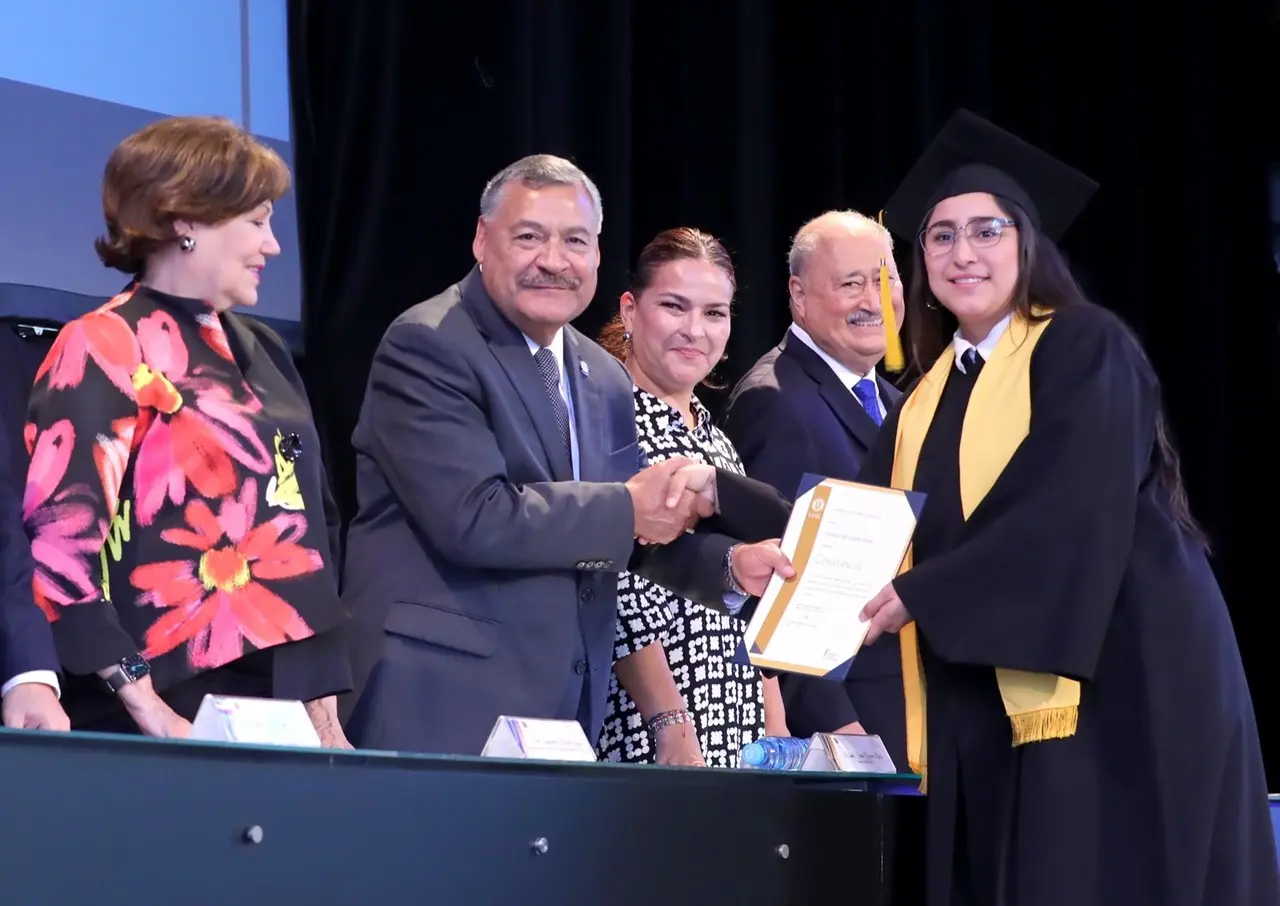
{"points": [[586, 371]]}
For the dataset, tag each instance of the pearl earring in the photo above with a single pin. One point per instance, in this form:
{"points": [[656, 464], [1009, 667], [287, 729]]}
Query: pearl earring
{"points": [[626, 336]]}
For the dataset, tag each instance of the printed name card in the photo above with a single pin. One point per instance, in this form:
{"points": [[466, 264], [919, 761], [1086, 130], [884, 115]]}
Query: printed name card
{"points": [[540, 740], [257, 721], [848, 753]]}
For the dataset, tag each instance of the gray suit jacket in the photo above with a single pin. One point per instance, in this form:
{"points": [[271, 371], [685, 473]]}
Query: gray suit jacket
{"points": [[481, 576]]}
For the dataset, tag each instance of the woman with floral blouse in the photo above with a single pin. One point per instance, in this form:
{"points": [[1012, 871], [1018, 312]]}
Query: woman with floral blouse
{"points": [[676, 695], [184, 537]]}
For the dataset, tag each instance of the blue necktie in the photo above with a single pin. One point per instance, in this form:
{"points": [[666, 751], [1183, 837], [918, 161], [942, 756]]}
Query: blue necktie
{"points": [[865, 391]]}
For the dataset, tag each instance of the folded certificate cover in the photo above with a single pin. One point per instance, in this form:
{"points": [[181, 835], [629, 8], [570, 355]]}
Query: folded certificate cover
{"points": [[847, 542]]}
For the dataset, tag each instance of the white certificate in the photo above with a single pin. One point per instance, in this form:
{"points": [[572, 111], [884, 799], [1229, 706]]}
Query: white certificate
{"points": [[846, 542]]}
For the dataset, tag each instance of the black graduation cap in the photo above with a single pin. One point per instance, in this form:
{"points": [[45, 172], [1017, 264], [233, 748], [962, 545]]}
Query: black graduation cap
{"points": [[971, 154]]}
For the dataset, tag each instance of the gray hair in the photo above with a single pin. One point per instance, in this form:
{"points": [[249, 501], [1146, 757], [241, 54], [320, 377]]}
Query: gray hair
{"points": [[537, 171], [812, 233]]}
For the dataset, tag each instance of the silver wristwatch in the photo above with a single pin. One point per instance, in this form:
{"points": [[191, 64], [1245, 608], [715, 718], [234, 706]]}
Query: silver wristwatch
{"points": [[129, 670], [730, 582]]}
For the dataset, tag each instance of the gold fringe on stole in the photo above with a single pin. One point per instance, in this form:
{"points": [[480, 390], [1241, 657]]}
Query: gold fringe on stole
{"points": [[1040, 706], [1051, 723], [998, 418]]}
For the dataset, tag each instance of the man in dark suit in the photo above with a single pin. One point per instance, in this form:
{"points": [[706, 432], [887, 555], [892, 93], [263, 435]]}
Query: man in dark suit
{"points": [[498, 491], [814, 404], [28, 661]]}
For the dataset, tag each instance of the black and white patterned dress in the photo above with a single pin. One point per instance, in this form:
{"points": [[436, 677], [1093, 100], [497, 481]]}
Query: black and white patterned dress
{"points": [[726, 700]]}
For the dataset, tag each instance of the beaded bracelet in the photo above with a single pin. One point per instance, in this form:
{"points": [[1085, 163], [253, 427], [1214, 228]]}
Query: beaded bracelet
{"points": [[667, 719]]}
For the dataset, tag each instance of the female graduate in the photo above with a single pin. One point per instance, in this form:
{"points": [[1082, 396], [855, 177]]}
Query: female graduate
{"points": [[1075, 696]]}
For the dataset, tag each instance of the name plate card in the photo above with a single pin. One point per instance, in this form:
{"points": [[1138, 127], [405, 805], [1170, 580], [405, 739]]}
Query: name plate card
{"points": [[539, 740], [848, 754], [257, 721]]}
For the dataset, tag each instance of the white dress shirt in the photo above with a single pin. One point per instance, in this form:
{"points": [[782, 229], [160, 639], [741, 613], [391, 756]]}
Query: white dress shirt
{"points": [[47, 677], [848, 377], [556, 346], [985, 348]]}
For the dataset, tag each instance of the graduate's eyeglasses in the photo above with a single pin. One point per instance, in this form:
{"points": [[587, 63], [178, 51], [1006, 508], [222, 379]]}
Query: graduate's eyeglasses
{"points": [[982, 232]]}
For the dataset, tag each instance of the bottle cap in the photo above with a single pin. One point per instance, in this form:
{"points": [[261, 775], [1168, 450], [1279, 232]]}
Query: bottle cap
{"points": [[753, 754]]}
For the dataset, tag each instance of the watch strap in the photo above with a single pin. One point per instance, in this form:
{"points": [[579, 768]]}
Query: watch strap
{"points": [[730, 582], [116, 680], [129, 670]]}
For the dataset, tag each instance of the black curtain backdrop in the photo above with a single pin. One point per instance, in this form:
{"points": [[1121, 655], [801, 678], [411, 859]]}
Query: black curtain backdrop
{"points": [[747, 118]]}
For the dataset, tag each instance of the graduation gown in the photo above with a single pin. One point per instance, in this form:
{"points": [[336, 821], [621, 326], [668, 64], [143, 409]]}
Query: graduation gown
{"points": [[1073, 565]]}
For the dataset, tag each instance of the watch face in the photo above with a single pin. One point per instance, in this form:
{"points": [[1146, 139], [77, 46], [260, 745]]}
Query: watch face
{"points": [[135, 667]]}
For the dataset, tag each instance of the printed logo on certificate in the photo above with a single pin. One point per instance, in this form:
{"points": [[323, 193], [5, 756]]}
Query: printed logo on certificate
{"points": [[846, 541]]}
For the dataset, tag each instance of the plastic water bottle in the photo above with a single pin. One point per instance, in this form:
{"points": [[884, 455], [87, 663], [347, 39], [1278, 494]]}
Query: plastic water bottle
{"points": [[775, 753]]}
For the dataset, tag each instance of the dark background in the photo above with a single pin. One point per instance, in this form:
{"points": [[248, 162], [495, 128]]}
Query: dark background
{"points": [[746, 117]]}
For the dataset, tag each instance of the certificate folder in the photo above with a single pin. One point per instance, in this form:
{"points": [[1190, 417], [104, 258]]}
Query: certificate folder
{"points": [[846, 541]]}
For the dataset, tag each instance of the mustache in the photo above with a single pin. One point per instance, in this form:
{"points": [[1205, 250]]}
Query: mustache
{"points": [[544, 280], [866, 318]]}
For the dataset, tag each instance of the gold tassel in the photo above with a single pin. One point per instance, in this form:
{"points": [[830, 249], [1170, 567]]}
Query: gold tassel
{"points": [[894, 360], [1051, 723]]}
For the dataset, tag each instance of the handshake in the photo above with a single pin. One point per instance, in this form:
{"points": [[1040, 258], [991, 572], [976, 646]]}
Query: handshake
{"points": [[670, 497]]}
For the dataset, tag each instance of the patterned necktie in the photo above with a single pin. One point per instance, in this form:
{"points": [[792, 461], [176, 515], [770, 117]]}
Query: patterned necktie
{"points": [[551, 381], [865, 391], [973, 361]]}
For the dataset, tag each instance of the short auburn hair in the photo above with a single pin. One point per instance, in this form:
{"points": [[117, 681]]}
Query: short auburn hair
{"points": [[198, 168]]}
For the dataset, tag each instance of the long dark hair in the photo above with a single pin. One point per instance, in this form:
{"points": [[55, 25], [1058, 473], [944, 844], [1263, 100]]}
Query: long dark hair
{"points": [[679, 244], [1044, 282]]}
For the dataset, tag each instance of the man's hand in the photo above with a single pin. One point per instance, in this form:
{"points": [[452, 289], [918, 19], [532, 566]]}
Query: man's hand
{"points": [[34, 706], [754, 565], [886, 612], [657, 518]]}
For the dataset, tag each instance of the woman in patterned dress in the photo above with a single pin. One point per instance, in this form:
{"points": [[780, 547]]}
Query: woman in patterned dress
{"points": [[676, 695], [181, 525]]}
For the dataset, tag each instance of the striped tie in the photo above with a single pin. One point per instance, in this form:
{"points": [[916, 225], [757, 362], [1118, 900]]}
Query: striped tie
{"points": [[551, 381]]}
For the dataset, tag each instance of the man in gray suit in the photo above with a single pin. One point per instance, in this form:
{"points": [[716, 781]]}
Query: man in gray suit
{"points": [[498, 491]]}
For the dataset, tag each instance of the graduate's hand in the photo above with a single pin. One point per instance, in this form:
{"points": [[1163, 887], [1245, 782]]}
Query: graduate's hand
{"points": [[701, 480], [886, 613]]}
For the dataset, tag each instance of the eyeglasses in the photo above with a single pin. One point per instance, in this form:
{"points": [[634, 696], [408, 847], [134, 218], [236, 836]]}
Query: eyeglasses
{"points": [[982, 232]]}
